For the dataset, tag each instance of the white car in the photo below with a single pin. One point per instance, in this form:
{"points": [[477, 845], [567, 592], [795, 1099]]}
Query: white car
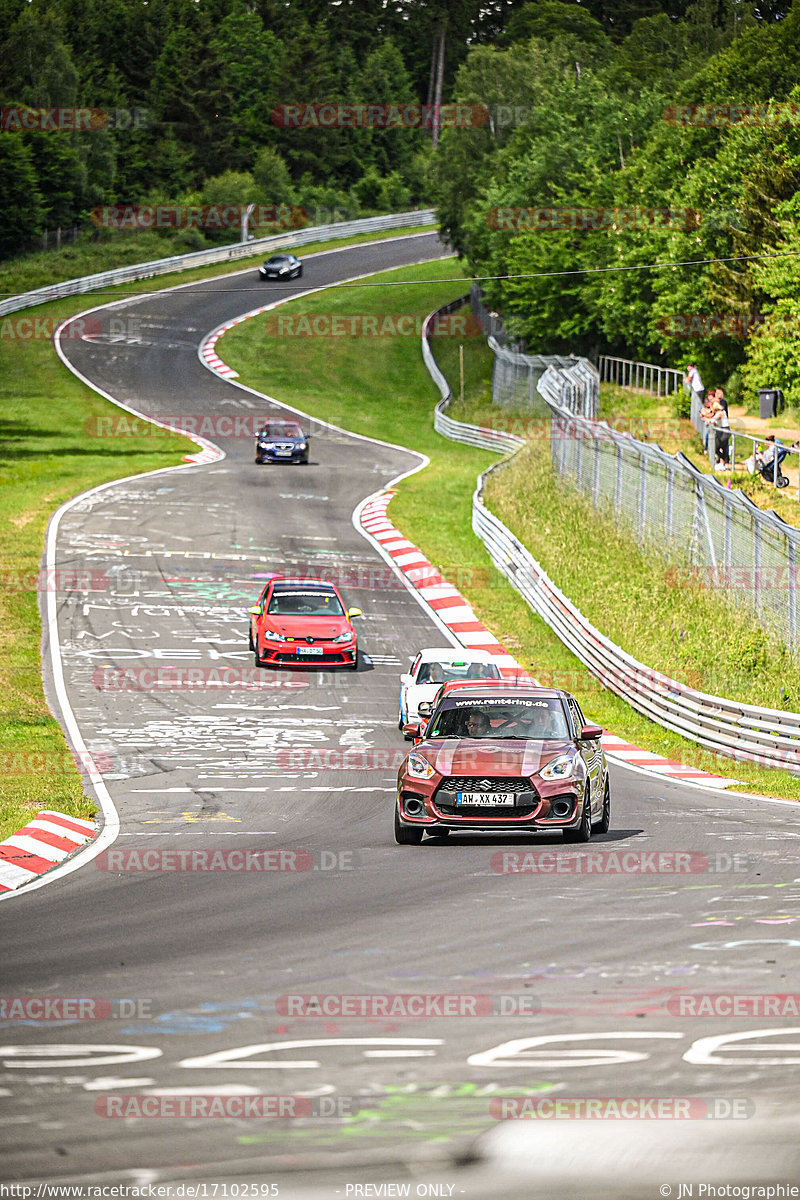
{"points": [[435, 666]]}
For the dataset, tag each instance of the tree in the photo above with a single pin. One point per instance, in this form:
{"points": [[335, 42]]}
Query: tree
{"points": [[20, 199]]}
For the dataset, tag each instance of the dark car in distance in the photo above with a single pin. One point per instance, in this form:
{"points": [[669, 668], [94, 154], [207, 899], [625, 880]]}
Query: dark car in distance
{"points": [[281, 266], [281, 441]]}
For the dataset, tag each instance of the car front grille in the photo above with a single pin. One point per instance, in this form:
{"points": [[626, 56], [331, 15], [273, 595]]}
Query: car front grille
{"points": [[311, 659], [526, 796], [486, 783]]}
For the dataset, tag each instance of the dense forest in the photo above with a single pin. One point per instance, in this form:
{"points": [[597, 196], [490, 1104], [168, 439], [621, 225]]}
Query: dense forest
{"points": [[594, 139]]}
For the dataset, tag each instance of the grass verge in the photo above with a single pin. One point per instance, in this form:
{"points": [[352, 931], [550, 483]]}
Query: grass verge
{"points": [[380, 387], [46, 456]]}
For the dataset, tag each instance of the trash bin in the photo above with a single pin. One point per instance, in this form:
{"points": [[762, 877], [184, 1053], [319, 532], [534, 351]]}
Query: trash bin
{"points": [[768, 402]]}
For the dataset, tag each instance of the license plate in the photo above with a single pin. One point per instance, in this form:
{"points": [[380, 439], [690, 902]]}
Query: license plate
{"points": [[283, 454], [485, 799], [309, 649]]}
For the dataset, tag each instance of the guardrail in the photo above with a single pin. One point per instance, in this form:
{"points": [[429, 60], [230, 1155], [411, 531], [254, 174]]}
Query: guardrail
{"points": [[203, 258], [459, 431], [627, 372], [746, 732]]}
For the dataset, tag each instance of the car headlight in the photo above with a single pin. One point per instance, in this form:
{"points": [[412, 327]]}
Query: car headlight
{"points": [[266, 446], [419, 767], [271, 636], [562, 767], [302, 445], [347, 636]]}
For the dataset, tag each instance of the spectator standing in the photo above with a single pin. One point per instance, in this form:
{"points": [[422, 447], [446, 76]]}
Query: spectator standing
{"points": [[706, 416], [694, 379], [722, 435]]}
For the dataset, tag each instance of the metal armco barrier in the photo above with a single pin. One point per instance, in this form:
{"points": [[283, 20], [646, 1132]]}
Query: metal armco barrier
{"points": [[204, 258], [459, 431], [767, 736], [770, 737]]}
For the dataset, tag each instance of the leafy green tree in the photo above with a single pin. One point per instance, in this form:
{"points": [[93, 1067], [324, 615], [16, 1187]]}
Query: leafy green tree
{"points": [[20, 199], [250, 60]]}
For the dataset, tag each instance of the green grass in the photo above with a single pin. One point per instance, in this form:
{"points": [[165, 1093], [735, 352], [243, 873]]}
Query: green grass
{"points": [[46, 457], [380, 388], [123, 249]]}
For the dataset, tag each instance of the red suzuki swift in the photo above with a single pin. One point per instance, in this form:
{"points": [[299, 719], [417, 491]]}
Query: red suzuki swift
{"points": [[303, 621], [517, 757]]}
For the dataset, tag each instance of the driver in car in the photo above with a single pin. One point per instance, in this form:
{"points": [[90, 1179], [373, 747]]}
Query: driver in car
{"points": [[478, 724]]}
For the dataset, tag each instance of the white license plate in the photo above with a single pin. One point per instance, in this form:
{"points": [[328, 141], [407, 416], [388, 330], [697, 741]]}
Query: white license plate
{"points": [[283, 454], [309, 649], [485, 799]]}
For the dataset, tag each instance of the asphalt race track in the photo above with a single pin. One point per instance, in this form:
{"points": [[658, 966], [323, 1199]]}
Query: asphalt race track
{"points": [[584, 971]]}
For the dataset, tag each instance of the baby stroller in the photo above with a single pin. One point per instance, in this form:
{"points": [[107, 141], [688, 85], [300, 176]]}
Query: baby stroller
{"points": [[767, 469]]}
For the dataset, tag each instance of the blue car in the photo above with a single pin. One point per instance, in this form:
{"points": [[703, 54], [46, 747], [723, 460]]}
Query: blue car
{"points": [[281, 441]]}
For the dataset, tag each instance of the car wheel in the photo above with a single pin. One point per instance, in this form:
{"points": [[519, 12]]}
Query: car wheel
{"points": [[250, 638], [583, 832], [605, 820], [259, 461], [404, 835]]}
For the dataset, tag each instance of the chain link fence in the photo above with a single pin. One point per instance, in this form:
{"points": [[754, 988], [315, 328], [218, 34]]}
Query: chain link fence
{"points": [[684, 515], [516, 377]]}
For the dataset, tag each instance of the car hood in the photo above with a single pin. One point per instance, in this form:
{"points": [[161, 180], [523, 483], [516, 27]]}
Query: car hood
{"points": [[489, 756], [299, 627]]}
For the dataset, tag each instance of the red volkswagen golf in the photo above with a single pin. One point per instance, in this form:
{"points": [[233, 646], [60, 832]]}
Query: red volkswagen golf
{"points": [[518, 757], [303, 621]]}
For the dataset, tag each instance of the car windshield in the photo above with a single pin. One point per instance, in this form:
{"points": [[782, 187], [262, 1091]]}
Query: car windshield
{"points": [[280, 429], [502, 718], [444, 671], [277, 260], [299, 603]]}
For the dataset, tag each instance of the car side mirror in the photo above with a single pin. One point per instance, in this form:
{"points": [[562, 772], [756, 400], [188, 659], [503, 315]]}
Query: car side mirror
{"points": [[406, 679], [424, 708], [354, 612], [590, 732], [412, 730], [255, 611]]}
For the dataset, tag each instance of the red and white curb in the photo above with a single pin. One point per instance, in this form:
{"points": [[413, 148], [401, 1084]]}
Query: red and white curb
{"points": [[210, 356], [40, 845], [453, 610]]}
